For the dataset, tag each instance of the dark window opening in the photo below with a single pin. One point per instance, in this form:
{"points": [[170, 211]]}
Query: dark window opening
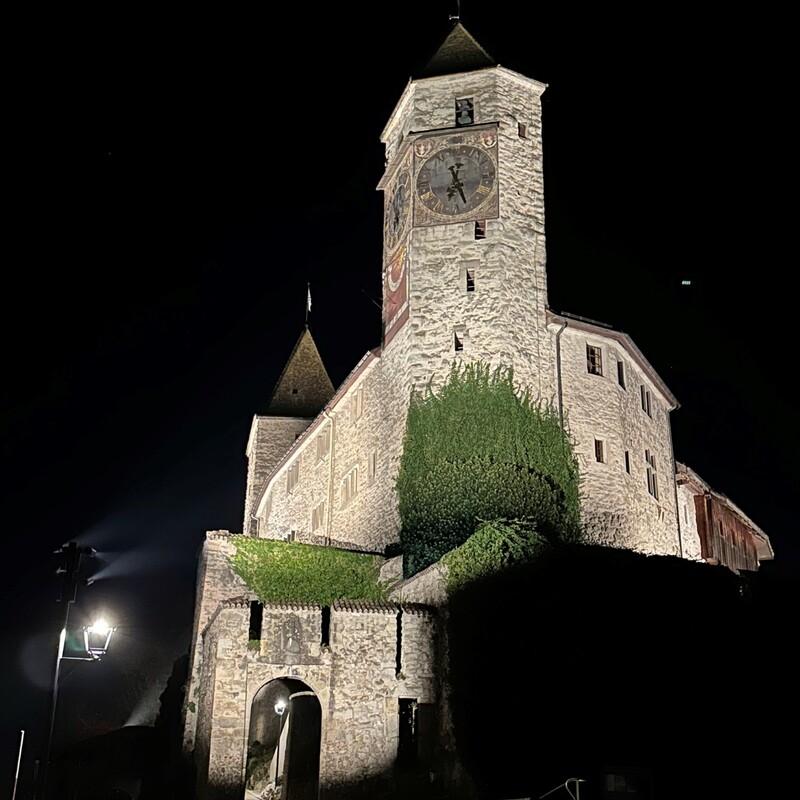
{"points": [[652, 477], [326, 626], [398, 651], [594, 360], [458, 344], [480, 229], [464, 112], [522, 130], [295, 391], [646, 401], [470, 280], [621, 373], [256, 617], [407, 733], [627, 462], [599, 451]]}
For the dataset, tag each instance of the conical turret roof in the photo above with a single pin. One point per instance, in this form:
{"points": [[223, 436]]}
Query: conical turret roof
{"points": [[304, 386], [459, 52]]}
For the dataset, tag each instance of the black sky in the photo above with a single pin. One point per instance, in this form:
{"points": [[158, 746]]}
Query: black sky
{"points": [[175, 179]]}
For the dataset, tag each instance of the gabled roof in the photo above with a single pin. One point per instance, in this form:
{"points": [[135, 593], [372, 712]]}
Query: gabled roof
{"points": [[304, 386], [458, 53]]}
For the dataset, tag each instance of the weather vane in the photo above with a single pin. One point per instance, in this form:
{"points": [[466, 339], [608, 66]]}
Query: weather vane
{"points": [[457, 15]]}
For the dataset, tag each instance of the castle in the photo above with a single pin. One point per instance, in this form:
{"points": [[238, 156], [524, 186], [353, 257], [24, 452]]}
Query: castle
{"points": [[464, 277]]}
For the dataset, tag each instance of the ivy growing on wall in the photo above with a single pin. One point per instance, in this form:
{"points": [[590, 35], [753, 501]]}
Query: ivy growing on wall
{"points": [[495, 546], [291, 572], [480, 449]]}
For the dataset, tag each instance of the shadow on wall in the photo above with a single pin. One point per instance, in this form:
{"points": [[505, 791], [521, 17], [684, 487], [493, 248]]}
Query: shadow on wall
{"points": [[593, 657]]}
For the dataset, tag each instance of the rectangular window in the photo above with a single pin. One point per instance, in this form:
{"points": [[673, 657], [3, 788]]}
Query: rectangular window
{"points": [[318, 516], [522, 130], [652, 477], [357, 404], [292, 476], [599, 451], [480, 229], [627, 462], [323, 442], [594, 360], [349, 487], [464, 112], [621, 373], [458, 343], [646, 400], [372, 466], [470, 280]]}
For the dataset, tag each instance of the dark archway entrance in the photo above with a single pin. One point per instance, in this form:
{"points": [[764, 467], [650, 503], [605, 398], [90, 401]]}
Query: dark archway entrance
{"points": [[283, 748]]}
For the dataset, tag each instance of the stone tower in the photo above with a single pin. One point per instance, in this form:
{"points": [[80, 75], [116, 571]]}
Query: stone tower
{"points": [[301, 392], [464, 242]]}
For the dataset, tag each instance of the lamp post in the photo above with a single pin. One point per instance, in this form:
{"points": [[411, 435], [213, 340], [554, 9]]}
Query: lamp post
{"points": [[96, 640], [280, 708]]}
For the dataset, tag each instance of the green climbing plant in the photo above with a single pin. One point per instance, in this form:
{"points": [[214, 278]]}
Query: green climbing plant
{"points": [[479, 449], [291, 572]]}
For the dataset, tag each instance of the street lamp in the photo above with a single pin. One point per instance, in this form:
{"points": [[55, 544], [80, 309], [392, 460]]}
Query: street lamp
{"points": [[280, 708], [96, 639]]}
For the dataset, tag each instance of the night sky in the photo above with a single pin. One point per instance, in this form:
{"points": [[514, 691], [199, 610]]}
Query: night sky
{"points": [[174, 180]]}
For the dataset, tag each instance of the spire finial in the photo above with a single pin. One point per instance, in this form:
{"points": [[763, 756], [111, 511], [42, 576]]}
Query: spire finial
{"points": [[457, 15], [308, 301]]}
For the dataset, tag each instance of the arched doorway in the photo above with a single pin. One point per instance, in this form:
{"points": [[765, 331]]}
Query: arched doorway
{"points": [[284, 741]]}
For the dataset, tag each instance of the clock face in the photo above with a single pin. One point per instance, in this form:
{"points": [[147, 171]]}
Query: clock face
{"points": [[396, 211], [457, 180]]}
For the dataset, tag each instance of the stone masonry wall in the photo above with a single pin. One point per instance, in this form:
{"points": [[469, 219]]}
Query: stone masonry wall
{"points": [[365, 444], [618, 510], [223, 710], [270, 439], [215, 583], [355, 678]]}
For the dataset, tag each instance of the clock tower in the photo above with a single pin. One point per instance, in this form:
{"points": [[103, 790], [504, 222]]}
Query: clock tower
{"points": [[464, 244]]}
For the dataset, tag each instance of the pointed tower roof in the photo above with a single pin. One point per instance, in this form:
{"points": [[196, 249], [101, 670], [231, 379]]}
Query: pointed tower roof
{"points": [[459, 52], [304, 386]]}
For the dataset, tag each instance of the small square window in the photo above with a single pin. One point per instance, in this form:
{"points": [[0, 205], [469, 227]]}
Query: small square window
{"points": [[599, 451], [594, 360], [464, 112]]}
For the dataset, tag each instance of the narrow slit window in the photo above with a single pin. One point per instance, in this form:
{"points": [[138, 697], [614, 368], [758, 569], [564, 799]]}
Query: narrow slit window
{"points": [[480, 229], [470, 280], [646, 406], [458, 343], [627, 462], [621, 373], [652, 477]]}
